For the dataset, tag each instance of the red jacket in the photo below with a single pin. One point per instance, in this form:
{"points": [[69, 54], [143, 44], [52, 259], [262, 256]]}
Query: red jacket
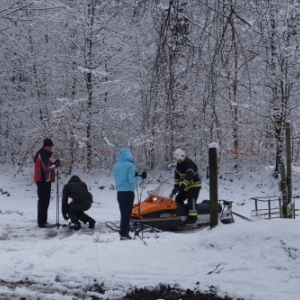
{"points": [[43, 166]]}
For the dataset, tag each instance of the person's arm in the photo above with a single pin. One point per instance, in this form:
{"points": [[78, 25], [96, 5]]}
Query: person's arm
{"points": [[44, 163], [190, 172], [132, 177], [176, 178], [88, 195]]}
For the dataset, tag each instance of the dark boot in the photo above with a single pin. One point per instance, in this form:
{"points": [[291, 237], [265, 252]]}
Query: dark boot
{"points": [[191, 220], [45, 225], [91, 222], [75, 226], [125, 237]]}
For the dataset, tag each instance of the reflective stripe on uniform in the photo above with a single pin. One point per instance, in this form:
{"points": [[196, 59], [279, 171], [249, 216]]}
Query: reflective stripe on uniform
{"points": [[192, 213], [195, 185]]}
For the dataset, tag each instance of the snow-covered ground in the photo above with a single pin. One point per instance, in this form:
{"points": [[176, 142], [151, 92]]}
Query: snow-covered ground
{"points": [[251, 260]]}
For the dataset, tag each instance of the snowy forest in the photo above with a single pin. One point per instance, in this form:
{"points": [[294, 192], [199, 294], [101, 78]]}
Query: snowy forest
{"points": [[152, 75]]}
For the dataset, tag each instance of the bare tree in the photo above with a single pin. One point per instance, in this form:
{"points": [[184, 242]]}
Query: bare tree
{"points": [[280, 29]]}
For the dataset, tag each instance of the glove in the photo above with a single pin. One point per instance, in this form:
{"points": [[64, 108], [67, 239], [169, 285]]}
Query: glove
{"points": [[181, 189], [174, 192], [144, 175], [66, 217], [57, 163]]}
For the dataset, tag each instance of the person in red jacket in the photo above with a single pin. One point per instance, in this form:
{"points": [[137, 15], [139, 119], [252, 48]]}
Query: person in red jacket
{"points": [[43, 175]]}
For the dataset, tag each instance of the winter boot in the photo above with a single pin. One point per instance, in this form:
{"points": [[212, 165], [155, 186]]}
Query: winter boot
{"points": [[125, 237], [45, 225], [191, 220], [91, 222], [75, 226]]}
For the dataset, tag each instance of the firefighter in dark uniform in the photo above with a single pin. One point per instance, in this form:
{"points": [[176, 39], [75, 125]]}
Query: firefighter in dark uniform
{"points": [[187, 183]]}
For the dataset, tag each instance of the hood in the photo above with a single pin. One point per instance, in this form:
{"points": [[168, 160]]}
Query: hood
{"points": [[125, 155], [75, 178]]}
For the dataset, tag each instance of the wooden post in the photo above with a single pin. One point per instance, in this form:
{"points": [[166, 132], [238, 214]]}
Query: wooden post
{"points": [[288, 167], [290, 202], [283, 192], [213, 184]]}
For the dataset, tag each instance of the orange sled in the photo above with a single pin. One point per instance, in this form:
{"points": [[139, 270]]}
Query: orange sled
{"points": [[162, 212]]}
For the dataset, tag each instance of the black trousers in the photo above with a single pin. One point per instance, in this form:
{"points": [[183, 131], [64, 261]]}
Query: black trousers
{"points": [[76, 211], [44, 193], [125, 200], [191, 196]]}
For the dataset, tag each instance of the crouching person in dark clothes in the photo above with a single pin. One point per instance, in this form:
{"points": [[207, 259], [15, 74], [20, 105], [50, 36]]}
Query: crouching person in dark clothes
{"points": [[82, 201]]}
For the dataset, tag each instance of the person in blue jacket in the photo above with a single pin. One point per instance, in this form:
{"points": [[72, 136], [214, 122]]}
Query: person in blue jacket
{"points": [[125, 179]]}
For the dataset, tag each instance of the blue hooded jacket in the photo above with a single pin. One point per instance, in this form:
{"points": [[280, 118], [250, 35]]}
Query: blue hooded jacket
{"points": [[124, 172]]}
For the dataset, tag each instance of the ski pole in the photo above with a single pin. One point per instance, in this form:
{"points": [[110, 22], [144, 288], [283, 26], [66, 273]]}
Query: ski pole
{"points": [[140, 196], [57, 199], [139, 212], [139, 202]]}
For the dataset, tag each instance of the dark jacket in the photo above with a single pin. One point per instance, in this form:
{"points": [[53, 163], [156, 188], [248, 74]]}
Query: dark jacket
{"points": [[43, 166], [77, 190], [187, 173]]}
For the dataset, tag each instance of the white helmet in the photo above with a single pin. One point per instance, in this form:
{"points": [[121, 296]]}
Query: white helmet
{"points": [[178, 154]]}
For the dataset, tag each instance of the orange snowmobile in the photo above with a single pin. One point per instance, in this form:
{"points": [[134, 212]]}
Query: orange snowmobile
{"points": [[160, 211]]}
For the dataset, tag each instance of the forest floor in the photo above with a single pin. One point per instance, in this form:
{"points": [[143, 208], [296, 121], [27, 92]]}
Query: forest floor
{"points": [[165, 293], [161, 293]]}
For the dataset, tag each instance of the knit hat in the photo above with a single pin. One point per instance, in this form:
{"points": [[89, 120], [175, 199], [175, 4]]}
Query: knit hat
{"points": [[48, 143]]}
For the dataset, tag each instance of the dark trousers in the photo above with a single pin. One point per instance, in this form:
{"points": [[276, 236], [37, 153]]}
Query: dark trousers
{"points": [[44, 192], [125, 200], [191, 196], [76, 211]]}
